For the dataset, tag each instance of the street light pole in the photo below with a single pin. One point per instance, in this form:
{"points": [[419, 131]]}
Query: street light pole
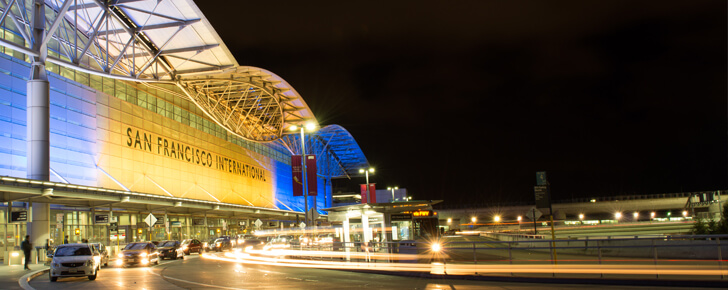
{"points": [[392, 189], [304, 174], [366, 172]]}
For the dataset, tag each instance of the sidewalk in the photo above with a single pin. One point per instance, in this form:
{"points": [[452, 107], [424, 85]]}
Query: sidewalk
{"points": [[9, 275]]}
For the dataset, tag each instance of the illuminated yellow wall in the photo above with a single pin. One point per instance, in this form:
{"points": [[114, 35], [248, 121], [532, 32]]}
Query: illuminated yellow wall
{"points": [[226, 172]]}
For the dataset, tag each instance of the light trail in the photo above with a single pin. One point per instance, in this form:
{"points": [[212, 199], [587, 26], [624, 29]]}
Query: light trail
{"points": [[277, 259]]}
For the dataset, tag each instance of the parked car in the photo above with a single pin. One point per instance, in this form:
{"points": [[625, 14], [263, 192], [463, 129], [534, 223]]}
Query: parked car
{"points": [[75, 260], [222, 244], [252, 244], [209, 245], [103, 252], [138, 253], [192, 246], [171, 250]]}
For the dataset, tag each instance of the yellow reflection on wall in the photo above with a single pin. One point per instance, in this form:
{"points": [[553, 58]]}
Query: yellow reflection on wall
{"points": [[149, 153]]}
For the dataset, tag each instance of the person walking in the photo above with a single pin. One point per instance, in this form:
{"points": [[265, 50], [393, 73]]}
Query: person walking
{"points": [[27, 247], [65, 241]]}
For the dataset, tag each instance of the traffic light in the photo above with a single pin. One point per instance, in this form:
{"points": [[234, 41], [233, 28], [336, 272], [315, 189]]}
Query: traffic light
{"points": [[78, 232]]}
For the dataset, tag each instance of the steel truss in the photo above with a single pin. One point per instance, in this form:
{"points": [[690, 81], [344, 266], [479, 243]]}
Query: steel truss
{"points": [[159, 41]]}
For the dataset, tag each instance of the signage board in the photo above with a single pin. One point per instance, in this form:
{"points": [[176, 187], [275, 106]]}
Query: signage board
{"points": [[113, 227], [543, 198], [198, 222], [102, 219], [401, 217], [19, 216], [175, 224], [59, 217], [424, 213], [150, 220]]}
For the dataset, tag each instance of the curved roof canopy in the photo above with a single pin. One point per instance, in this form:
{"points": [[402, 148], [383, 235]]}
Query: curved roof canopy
{"points": [[167, 41], [345, 158]]}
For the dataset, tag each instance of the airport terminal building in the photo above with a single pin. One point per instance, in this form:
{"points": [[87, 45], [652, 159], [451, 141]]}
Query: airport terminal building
{"points": [[116, 112]]}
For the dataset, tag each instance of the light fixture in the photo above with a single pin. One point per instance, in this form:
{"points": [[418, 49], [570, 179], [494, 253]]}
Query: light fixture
{"points": [[310, 126], [449, 220], [652, 214], [636, 215], [178, 204], [473, 219], [125, 198], [47, 192], [685, 213], [496, 218], [519, 218], [581, 216], [618, 215]]}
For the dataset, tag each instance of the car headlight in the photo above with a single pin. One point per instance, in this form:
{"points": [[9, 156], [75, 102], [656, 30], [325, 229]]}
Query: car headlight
{"points": [[219, 244], [184, 248], [120, 255], [89, 263], [56, 265], [143, 255]]}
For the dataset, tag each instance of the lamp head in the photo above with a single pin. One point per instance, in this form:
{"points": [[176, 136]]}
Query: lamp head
{"points": [[310, 126], [293, 128]]}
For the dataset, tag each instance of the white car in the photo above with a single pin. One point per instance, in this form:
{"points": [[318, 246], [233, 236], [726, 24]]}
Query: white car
{"points": [[75, 260]]}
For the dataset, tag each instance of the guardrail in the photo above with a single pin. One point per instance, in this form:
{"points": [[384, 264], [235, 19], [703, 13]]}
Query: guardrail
{"points": [[680, 252]]}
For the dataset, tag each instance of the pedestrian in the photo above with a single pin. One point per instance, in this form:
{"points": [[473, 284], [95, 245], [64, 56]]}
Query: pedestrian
{"points": [[27, 247], [65, 241]]}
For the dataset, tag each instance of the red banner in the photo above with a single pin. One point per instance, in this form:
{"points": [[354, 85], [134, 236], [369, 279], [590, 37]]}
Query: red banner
{"points": [[363, 188], [372, 193], [311, 177], [297, 175]]}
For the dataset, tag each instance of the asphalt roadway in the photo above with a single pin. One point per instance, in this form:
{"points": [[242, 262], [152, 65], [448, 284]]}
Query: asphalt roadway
{"points": [[195, 272]]}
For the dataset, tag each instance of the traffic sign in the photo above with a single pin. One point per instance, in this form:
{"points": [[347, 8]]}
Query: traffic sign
{"points": [[150, 220], [113, 227], [302, 225], [258, 223], [534, 213]]}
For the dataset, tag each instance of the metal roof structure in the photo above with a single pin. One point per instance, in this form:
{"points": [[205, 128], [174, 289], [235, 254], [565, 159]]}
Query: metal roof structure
{"points": [[338, 153], [161, 41]]}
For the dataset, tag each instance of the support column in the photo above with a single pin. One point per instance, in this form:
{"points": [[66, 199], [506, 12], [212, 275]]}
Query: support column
{"points": [[345, 238], [38, 101], [40, 227], [366, 230], [38, 132]]}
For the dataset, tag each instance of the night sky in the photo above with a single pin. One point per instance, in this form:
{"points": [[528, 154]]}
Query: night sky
{"points": [[465, 100]]}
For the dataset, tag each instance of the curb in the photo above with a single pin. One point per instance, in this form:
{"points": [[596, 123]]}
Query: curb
{"points": [[589, 281], [23, 281]]}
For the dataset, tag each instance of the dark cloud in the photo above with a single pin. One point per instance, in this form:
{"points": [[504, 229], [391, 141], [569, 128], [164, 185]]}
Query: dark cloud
{"points": [[466, 100]]}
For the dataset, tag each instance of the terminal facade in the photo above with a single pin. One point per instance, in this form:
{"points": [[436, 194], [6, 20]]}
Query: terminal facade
{"points": [[117, 149]]}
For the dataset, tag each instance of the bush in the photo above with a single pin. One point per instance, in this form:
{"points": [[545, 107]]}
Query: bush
{"points": [[713, 227]]}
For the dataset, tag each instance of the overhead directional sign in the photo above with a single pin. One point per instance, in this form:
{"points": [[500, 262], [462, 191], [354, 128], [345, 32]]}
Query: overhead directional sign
{"points": [[150, 220]]}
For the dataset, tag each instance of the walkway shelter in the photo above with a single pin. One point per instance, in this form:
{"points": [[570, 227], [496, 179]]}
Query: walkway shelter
{"points": [[384, 223]]}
